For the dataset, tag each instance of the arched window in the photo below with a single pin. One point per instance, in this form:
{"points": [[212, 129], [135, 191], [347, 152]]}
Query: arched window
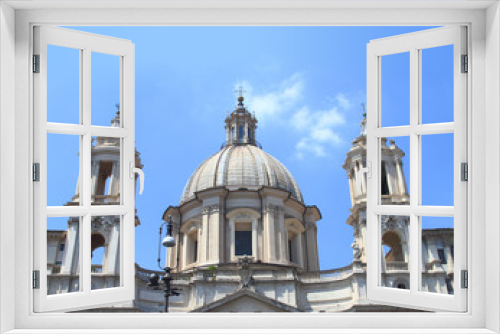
{"points": [[97, 247], [243, 239], [240, 133], [384, 185], [191, 246], [233, 133]]}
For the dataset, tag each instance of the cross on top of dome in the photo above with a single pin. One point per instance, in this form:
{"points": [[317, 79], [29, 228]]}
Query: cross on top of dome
{"points": [[241, 98]]}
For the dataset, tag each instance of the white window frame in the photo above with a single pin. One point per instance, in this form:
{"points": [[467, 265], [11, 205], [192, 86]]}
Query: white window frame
{"points": [[85, 43], [414, 43], [483, 20]]}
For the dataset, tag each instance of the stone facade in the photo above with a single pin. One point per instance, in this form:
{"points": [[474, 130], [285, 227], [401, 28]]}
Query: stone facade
{"points": [[246, 241]]}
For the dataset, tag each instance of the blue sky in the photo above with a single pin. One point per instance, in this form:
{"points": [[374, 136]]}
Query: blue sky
{"points": [[305, 85]]}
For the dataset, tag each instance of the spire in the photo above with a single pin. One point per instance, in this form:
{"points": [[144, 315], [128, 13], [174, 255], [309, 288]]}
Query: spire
{"points": [[363, 122]]}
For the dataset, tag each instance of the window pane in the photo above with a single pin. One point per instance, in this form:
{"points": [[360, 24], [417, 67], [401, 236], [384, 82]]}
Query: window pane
{"points": [[243, 243], [437, 84], [395, 238], [63, 85], [395, 89], [63, 169], [105, 247], [437, 254], [437, 169], [105, 170], [63, 255], [395, 170], [105, 89]]}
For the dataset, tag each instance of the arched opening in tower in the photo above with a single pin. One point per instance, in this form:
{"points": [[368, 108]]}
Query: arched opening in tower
{"points": [[393, 250], [384, 186], [97, 247]]}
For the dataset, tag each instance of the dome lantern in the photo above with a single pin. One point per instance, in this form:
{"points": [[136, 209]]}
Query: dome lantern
{"points": [[240, 125]]}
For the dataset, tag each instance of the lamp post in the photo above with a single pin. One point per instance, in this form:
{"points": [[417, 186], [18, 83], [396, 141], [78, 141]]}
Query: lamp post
{"points": [[153, 283]]}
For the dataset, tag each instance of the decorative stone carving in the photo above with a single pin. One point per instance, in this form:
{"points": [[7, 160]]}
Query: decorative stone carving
{"points": [[246, 278], [215, 208], [390, 223], [102, 226], [269, 208], [211, 208], [356, 251]]}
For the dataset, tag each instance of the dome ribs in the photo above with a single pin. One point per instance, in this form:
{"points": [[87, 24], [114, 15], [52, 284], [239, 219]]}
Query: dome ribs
{"points": [[241, 166], [222, 166]]}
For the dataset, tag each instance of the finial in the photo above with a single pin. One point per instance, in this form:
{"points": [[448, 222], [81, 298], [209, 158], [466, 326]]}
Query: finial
{"points": [[240, 92], [117, 106]]}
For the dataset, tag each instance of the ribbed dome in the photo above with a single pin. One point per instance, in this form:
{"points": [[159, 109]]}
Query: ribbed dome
{"points": [[241, 166]]}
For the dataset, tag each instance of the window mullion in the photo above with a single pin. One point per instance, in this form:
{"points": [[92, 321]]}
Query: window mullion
{"points": [[85, 228], [415, 170]]}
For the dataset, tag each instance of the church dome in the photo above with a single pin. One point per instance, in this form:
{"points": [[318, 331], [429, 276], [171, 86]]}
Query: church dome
{"points": [[241, 163], [241, 166]]}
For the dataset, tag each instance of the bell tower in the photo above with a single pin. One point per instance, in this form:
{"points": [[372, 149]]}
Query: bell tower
{"points": [[106, 189], [395, 229]]}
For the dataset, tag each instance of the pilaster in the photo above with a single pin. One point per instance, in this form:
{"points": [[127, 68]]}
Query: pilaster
{"points": [[269, 233]]}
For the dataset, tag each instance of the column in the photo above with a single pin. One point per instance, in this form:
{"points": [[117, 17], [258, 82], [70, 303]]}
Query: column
{"points": [[95, 176], [232, 231], [363, 179], [355, 181], [300, 257], [351, 187], [401, 179], [111, 181], [447, 252], [113, 253], [215, 245], [391, 178], [205, 237], [406, 252], [71, 247], [269, 234], [282, 235], [184, 250], [312, 260], [254, 239], [115, 185]]}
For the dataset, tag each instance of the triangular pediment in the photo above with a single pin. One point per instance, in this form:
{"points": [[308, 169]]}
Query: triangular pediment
{"points": [[246, 301]]}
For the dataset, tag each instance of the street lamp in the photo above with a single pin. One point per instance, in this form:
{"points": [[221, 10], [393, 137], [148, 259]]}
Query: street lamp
{"points": [[154, 279]]}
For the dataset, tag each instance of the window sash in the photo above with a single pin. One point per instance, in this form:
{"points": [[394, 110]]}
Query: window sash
{"points": [[413, 43], [86, 43]]}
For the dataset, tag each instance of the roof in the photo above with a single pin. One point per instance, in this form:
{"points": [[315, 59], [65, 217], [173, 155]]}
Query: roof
{"points": [[241, 166]]}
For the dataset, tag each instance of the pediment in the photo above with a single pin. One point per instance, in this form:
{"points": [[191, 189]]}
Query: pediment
{"points": [[246, 301]]}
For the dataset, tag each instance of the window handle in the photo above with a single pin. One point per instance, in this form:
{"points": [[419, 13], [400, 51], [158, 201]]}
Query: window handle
{"points": [[134, 170], [360, 173]]}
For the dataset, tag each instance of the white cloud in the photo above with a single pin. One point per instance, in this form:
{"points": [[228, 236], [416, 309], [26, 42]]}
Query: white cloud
{"points": [[301, 120], [272, 104], [342, 101], [317, 129]]}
